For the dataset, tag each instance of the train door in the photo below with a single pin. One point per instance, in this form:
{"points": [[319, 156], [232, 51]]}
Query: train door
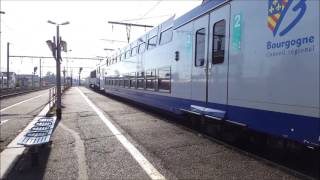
{"points": [[199, 65], [218, 56]]}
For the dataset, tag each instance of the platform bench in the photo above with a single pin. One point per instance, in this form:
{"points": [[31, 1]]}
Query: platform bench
{"points": [[39, 134]]}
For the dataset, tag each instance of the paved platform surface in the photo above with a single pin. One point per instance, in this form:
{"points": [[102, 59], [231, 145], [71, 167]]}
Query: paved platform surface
{"points": [[84, 147]]}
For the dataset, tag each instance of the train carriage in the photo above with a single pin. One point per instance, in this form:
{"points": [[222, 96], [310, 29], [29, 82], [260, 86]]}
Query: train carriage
{"points": [[253, 64]]}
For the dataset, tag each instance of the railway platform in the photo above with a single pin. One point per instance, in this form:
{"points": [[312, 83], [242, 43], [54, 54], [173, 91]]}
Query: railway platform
{"points": [[101, 138]]}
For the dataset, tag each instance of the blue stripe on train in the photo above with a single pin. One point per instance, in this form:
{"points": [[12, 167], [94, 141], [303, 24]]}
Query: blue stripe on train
{"points": [[303, 129]]}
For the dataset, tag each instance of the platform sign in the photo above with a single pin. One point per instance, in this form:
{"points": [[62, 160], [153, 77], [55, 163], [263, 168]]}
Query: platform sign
{"points": [[236, 31]]}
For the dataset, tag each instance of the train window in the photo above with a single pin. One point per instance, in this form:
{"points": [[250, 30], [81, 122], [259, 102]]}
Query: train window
{"points": [[152, 42], [219, 33], [200, 47], [166, 36], [140, 80], [164, 79], [128, 53], [142, 47], [122, 81], [150, 79], [133, 80], [134, 51], [126, 82]]}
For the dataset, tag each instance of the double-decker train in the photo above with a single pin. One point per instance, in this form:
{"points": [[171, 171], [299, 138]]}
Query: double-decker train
{"points": [[253, 64]]}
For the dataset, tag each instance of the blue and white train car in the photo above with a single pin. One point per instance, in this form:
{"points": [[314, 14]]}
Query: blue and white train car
{"points": [[250, 63]]}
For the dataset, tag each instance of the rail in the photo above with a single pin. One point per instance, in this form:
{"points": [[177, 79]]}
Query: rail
{"points": [[5, 93]]}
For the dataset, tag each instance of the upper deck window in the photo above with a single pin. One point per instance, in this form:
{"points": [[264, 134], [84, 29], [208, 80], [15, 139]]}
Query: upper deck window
{"points": [[200, 47], [142, 47], [152, 42], [166, 36], [128, 54], [219, 41], [134, 51]]}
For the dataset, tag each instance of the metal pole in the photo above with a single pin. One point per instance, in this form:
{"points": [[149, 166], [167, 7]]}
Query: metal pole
{"points": [[8, 51], [40, 81], [64, 76], [79, 78], [58, 110], [32, 80]]}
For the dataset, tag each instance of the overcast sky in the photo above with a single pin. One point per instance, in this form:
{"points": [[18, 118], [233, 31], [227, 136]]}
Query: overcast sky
{"points": [[25, 26]]}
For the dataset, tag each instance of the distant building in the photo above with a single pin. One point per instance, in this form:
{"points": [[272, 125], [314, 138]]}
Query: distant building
{"points": [[27, 80], [12, 80], [3, 81], [48, 80]]}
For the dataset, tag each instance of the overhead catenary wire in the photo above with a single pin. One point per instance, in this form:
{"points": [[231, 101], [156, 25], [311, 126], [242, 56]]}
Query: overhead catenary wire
{"points": [[49, 57], [129, 25], [137, 19], [152, 8]]}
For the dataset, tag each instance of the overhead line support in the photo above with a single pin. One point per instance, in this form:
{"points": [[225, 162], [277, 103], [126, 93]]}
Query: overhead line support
{"points": [[128, 27]]}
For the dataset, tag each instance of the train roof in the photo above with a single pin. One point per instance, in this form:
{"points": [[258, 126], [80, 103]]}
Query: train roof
{"points": [[197, 11], [175, 23]]}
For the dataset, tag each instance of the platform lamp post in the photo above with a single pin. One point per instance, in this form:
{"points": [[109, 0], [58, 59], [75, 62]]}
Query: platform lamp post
{"points": [[55, 47], [8, 63], [80, 69], [33, 74]]}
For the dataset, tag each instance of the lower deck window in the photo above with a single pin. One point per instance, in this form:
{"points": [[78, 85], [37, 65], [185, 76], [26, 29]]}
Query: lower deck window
{"points": [[133, 83], [164, 85], [121, 83], [150, 81], [164, 79], [127, 83], [150, 84], [140, 83]]}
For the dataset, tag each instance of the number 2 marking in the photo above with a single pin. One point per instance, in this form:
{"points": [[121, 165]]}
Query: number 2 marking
{"points": [[237, 19]]}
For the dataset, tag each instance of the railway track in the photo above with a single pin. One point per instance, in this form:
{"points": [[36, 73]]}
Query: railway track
{"points": [[6, 94]]}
